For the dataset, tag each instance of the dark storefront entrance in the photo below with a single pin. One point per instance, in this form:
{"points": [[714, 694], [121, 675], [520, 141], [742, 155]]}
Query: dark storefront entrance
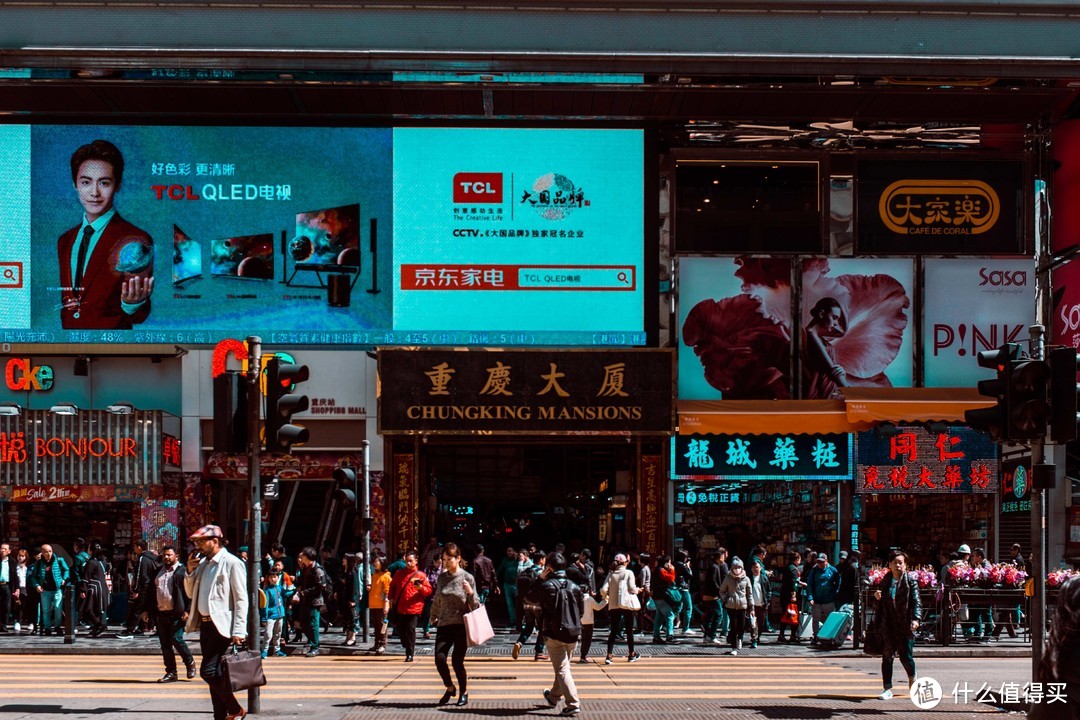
{"points": [[511, 493]]}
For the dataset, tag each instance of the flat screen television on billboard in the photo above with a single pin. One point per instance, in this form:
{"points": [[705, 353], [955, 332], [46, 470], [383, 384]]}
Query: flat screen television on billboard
{"points": [[187, 257], [249, 257], [327, 237]]}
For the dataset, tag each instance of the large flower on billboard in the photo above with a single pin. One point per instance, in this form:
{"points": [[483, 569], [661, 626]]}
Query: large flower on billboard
{"points": [[853, 328], [743, 341]]}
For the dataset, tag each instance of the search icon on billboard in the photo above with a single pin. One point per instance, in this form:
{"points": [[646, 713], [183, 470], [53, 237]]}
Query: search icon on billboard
{"points": [[11, 276], [622, 278]]}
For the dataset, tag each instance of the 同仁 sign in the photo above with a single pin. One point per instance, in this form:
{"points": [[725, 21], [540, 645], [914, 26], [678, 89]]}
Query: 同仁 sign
{"points": [[763, 457], [915, 460]]}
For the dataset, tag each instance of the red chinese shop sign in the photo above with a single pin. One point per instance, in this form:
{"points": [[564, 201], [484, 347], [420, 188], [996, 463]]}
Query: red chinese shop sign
{"points": [[405, 500], [651, 505], [915, 460]]}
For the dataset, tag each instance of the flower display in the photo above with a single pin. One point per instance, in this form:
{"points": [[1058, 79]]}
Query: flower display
{"points": [[1005, 575], [924, 577], [1057, 578]]}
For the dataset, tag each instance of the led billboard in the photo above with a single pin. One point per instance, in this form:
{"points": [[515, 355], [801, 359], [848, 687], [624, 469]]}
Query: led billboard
{"points": [[188, 235]]}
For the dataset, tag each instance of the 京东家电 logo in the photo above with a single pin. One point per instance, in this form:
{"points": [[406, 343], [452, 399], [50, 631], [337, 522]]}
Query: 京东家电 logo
{"points": [[554, 196]]}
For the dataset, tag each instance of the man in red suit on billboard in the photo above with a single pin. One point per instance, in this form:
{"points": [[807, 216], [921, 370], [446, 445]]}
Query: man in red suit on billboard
{"points": [[106, 263]]}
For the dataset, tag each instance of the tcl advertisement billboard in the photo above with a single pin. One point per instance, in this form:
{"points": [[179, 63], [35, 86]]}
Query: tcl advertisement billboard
{"points": [[145, 234], [970, 305]]}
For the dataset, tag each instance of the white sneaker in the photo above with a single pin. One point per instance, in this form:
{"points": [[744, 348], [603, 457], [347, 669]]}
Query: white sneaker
{"points": [[18, 628], [887, 695], [733, 652]]}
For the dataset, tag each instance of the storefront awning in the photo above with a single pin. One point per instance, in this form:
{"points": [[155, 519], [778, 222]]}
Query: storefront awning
{"points": [[875, 405], [743, 417], [861, 409]]}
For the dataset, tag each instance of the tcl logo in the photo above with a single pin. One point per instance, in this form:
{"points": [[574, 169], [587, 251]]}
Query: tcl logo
{"points": [[478, 188]]}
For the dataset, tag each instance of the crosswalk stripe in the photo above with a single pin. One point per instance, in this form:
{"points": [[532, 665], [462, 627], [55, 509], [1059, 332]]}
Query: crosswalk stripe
{"points": [[378, 679]]}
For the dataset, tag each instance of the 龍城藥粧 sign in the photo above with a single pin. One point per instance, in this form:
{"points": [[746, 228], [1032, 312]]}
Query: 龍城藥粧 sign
{"points": [[763, 457]]}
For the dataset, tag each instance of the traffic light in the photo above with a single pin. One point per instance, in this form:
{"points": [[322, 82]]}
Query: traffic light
{"points": [[1064, 392], [1026, 399], [345, 486], [281, 403], [230, 413], [994, 420]]}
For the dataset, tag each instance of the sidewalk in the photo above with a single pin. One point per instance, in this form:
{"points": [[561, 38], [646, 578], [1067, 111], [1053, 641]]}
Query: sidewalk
{"points": [[501, 645]]}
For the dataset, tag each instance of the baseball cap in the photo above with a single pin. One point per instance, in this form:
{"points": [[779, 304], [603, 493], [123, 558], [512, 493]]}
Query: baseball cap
{"points": [[822, 556], [207, 531], [963, 549], [621, 559]]}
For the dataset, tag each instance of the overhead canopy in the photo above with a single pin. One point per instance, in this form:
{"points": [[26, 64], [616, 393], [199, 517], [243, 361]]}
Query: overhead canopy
{"points": [[874, 405], [861, 409], [743, 417]]}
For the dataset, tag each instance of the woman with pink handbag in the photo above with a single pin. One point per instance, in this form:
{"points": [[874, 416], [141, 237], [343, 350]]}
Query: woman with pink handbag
{"points": [[455, 595]]}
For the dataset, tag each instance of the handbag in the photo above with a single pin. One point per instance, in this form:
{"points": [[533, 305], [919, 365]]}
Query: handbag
{"points": [[791, 615], [632, 602], [478, 628], [242, 669], [872, 641]]}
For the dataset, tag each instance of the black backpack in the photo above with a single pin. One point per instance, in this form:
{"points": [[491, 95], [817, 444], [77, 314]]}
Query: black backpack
{"points": [[324, 582], [565, 623]]}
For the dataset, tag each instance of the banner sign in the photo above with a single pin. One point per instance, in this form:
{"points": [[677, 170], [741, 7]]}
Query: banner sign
{"points": [[72, 493], [651, 537], [735, 328], [762, 457], [970, 305], [940, 207], [526, 391], [693, 495], [93, 447], [915, 460], [1016, 486], [322, 236], [405, 501]]}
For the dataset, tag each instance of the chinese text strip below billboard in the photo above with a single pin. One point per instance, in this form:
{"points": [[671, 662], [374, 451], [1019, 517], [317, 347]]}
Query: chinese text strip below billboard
{"points": [[519, 236], [762, 457], [189, 235], [916, 460]]}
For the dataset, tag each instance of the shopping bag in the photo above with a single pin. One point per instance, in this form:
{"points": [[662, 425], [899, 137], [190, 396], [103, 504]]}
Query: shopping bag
{"points": [[478, 627], [242, 669], [632, 602], [791, 615]]}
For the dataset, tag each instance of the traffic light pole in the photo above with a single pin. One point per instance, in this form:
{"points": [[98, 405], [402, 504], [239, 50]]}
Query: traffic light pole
{"points": [[364, 498], [254, 538], [1037, 619]]}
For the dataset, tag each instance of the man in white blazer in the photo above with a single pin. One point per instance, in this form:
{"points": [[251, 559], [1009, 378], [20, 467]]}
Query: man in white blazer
{"points": [[217, 584]]}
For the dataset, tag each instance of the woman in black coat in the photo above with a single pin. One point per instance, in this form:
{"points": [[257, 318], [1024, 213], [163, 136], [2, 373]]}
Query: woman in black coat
{"points": [[789, 589], [898, 611]]}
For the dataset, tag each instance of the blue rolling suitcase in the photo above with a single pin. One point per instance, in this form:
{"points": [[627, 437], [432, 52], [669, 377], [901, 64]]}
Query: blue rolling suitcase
{"points": [[834, 631]]}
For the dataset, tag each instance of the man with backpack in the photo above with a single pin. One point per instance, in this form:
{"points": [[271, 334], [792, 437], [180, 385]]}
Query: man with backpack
{"points": [[315, 586], [561, 603]]}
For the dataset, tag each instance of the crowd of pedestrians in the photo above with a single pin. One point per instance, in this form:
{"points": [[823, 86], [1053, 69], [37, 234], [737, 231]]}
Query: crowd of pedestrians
{"points": [[420, 592]]}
